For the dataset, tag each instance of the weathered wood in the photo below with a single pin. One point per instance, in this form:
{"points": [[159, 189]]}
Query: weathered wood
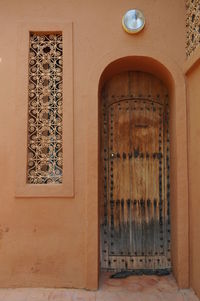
{"points": [[134, 167]]}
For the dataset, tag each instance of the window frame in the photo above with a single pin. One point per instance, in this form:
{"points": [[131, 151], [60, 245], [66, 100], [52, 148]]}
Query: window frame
{"points": [[24, 189]]}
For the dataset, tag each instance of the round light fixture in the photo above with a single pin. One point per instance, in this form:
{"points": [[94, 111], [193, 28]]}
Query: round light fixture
{"points": [[133, 21]]}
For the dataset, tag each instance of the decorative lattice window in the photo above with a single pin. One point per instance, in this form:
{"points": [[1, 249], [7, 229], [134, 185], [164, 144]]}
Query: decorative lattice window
{"points": [[192, 25], [45, 108]]}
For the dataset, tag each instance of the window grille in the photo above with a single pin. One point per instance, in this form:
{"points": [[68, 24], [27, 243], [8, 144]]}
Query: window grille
{"points": [[192, 26], [45, 109]]}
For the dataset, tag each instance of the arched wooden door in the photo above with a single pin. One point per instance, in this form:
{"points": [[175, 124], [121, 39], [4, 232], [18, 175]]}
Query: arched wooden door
{"points": [[134, 180]]}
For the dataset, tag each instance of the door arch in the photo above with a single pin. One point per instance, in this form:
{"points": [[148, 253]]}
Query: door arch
{"points": [[134, 173]]}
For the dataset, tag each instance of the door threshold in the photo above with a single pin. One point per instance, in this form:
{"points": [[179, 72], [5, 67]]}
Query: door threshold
{"points": [[127, 273]]}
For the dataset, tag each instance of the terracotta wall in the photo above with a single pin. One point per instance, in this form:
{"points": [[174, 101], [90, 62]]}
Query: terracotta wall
{"points": [[193, 104], [53, 242]]}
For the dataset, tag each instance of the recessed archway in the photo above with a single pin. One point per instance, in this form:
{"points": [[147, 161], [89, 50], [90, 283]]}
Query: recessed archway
{"points": [[172, 77], [155, 68]]}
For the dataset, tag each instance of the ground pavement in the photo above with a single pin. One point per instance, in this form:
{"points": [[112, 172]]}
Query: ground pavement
{"points": [[133, 288]]}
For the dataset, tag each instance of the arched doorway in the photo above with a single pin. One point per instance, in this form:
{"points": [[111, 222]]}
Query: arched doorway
{"points": [[134, 173], [118, 60]]}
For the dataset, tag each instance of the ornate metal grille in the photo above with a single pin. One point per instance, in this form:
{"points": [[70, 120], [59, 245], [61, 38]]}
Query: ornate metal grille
{"points": [[45, 155], [192, 25]]}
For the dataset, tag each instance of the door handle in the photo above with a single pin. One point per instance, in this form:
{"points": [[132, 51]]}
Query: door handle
{"points": [[114, 155]]}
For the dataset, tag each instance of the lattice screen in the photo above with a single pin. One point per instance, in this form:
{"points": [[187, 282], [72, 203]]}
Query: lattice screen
{"points": [[192, 25], [45, 115]]}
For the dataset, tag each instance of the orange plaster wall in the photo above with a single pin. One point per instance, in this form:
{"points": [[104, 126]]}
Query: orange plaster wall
{"points": [[53, 242], [193, 103]]}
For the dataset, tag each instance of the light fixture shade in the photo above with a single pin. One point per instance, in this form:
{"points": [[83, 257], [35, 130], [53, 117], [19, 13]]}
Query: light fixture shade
{"points": [[133, 21]]}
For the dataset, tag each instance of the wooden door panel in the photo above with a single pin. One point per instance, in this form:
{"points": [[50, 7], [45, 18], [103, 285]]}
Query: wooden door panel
{"points": [[135, 230]]}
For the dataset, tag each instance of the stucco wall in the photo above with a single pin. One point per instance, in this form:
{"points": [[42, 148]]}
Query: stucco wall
{"points": [[193, 103], [53, 242]]}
